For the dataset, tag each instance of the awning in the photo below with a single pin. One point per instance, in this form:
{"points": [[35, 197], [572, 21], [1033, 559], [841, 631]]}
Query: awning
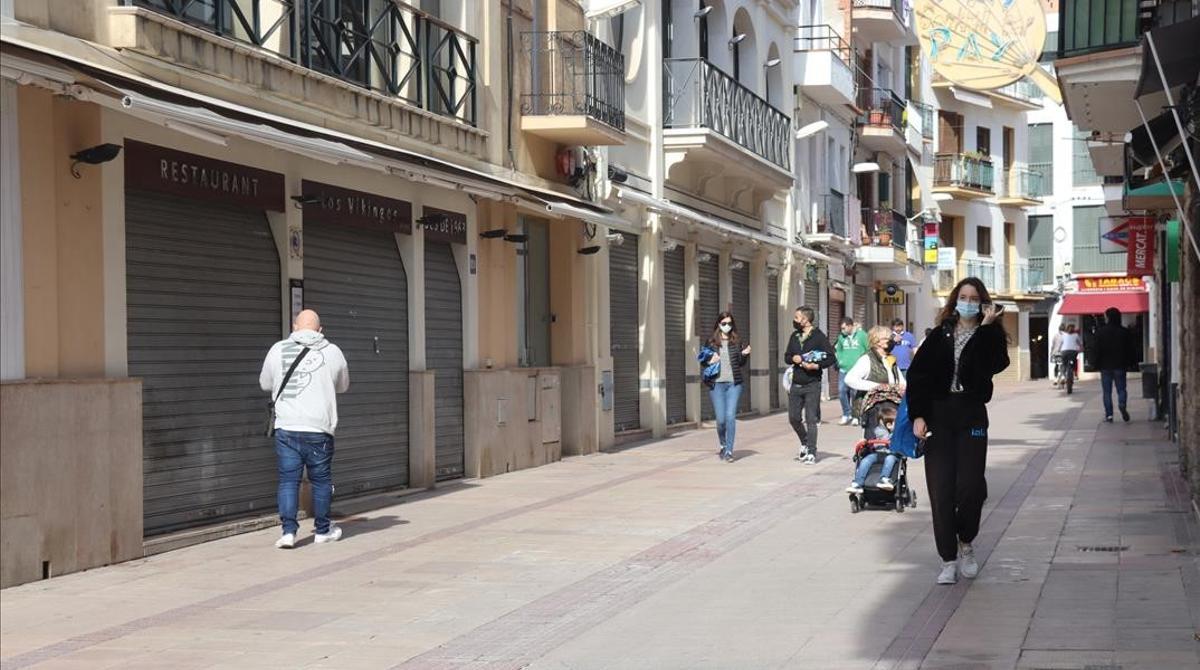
{"points": [[1129, 302], [1176, 45], [970, 98]]}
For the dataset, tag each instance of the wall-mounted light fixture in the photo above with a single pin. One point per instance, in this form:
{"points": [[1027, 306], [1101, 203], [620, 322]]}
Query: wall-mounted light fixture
{"points": [[516, 239], [774, 62], [101, 153], [301, 200], [617, 175], [705, 257], [811, 129], [860, 168], [493, 234], [736, 40], [737, 265], [668, 245], [615, 239], [703, 12], [588, 251]]}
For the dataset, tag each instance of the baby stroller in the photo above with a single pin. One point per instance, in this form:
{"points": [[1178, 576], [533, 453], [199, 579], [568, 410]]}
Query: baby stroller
{"points": [[881, 402]]}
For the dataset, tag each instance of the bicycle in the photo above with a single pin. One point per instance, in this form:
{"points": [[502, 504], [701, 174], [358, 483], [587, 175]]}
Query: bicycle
{"points": [[1068, 369]]}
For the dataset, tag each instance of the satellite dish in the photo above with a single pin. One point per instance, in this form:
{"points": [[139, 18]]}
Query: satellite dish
{"points": [[985, 44]]}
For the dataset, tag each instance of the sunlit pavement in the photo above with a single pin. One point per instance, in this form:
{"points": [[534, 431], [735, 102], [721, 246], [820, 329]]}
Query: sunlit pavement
{"points": [[661, 556]]}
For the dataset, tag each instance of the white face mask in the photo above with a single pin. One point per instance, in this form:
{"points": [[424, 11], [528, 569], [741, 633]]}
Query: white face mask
{"points": [[725, 328]]}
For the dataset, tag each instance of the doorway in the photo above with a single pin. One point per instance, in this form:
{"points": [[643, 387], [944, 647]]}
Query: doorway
{"points": [[1039, 346]]}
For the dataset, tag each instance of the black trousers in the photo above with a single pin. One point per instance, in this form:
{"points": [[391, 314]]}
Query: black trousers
{"points": [[804, 405], [955, 459]]}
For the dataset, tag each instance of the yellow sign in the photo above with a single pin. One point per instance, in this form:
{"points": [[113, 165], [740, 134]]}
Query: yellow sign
{"points": [[985, 44], [931, 256], [891, 295], [1111, 284]]}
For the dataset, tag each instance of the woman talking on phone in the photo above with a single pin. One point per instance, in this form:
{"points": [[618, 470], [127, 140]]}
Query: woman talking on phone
{"points": [[949, 386]]}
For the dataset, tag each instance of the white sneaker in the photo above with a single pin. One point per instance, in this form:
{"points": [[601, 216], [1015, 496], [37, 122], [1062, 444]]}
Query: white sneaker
{"points": [[288, 541], [854, 488], [853, 422], [949, 573], [334, 534], [810, 458], [966, 556], [845, 420], [885, 484]]}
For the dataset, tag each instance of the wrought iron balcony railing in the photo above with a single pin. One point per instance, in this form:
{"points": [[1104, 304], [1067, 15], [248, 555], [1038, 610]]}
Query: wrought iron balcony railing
{"points": [[832, 215], [822, 37], [897, 6], [885, 228], [388, 47], [574, 73], [697, 94], [883, 108], [962, 171]]}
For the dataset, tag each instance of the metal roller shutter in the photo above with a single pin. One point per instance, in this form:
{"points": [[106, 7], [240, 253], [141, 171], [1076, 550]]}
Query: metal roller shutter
{"points": [[706, 314], [740, 279], [356, 281], [862, 304], [774, 364], [623, 328], [444, 355], [812, 299], [203, 309], [837, 310], [676, 345]]}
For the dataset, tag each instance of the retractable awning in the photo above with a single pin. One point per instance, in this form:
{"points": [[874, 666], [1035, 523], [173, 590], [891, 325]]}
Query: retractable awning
{"points": [[1129, 302]]}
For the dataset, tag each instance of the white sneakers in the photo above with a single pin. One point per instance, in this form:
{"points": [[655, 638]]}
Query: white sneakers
{"points": [[854, 488], [949, 573], [844, 421], [966, 556], [288, 540], [334, 534], [885, 484]]}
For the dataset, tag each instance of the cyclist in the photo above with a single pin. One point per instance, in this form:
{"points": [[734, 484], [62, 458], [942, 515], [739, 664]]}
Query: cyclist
{"points": [[1056, 354], [1072, 344]]}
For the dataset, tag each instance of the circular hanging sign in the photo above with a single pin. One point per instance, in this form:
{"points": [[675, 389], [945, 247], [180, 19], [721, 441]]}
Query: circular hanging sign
{"points": [[985, 44]]}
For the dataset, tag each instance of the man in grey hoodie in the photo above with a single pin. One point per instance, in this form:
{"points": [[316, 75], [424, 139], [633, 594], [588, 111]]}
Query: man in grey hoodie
{"points": [[305, 419]]}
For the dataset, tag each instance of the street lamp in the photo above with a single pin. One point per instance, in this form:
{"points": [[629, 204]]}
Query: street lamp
{"points": [[811, 129]]}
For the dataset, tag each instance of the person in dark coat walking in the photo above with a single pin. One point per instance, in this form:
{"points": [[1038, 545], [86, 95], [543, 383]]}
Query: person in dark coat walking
{"points": [[809, 353], [1114, 355], [949, 386]]}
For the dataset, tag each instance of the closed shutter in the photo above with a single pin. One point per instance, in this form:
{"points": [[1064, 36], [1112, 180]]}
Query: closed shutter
{"points": [[623, 295], [676, 345], [812, 299], [774, 365], [203, 308], [837, 310], [356, 281], [740, 279], [706, 316], [444, 355], [862, 301]]}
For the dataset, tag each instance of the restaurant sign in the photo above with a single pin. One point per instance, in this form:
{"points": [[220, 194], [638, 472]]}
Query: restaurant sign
{"points": [[1101, 284], [443, 225], [335, 205], [153, 168]]}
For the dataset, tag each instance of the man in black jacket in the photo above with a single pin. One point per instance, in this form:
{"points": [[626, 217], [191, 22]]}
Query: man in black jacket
{"points": [[809, 353], [1114, 354]]}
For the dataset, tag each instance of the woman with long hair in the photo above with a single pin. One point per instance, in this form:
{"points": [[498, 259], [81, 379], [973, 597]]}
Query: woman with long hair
{"points": [[949, 386], [723, 358]]}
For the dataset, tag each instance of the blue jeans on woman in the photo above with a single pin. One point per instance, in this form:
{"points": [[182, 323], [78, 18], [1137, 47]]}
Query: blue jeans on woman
{"points": [[296, 451], [864, 467], [725, 396]]}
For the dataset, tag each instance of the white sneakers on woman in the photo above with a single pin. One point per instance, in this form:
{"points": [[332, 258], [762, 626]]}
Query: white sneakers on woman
{"points": [[965, 565], [949, 573]]}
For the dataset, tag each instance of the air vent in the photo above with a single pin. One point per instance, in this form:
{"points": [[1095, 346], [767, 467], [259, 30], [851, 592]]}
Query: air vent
{"points": [[1104, 548]]}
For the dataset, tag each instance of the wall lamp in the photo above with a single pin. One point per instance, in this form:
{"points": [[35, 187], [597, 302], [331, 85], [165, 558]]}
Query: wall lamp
{"points": [[736, 40], [101, 153], [669, 245], [588, 251], [772, 63], [703, 12], [737, 265], [811, 129], [302, 200], [704, 257], [860, 168], [615, 239], [516, 239], [493, 234]]}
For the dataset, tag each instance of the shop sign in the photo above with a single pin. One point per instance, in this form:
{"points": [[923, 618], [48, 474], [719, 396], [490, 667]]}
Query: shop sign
{"points": [[1098, 284], [891, 295], [345, 207], [1140, 260], [947, 258], [932, 233], [153, 168], [443, 225], [1116, 232]]}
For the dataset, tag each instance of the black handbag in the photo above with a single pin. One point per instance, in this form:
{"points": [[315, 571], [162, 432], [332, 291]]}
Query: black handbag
{"points": [[270, 432]]}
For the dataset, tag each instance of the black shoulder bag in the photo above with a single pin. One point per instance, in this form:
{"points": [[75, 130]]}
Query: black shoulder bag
{"points": [[270, 432]]}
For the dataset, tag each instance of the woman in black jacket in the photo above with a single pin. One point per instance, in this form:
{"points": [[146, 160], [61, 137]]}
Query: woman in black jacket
{"points": [[949, 386], [725, 388]]}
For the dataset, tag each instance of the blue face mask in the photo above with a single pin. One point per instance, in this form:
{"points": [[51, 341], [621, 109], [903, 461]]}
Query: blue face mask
{"points": [[967, 310]]}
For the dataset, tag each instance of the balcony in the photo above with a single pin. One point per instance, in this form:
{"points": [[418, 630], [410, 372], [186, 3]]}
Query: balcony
{"points": [[882, 124], [1021, 94], [825, 62], [1023, 187], [1013, 280], [829, 221], [964, 176], [880, 20], [575, 89], [384, 64], [721, 140], [885, 237], [1090, 26]]}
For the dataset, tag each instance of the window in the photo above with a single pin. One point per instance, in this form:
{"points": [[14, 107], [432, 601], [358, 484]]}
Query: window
{"points": [[533, 295], [983, 240], [1041, 154], [1086, 256], [950, 132], [983, 140], [1083, 174], [1041, 246]]}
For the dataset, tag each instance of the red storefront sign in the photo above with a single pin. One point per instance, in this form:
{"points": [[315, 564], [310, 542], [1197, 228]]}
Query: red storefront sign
{"points": [[1140, 249]]}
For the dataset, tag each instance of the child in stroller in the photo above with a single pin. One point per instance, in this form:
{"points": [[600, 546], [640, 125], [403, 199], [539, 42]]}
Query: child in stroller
{"points": [[881, 477]]}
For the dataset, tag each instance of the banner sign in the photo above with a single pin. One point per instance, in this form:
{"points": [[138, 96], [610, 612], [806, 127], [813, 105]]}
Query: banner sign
{"points": [[1102, 284], [1115, 232], [163, 170], [947, 258], [1140, 261], [932, 235], [345, 207]]}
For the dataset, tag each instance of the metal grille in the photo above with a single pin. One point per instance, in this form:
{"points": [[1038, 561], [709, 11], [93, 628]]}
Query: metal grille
{"points": [[706, 314], [444, 355], [837, 310], [356, 281], [623, 295], [740, 277], [773, 340], [204, 307], [574, 73], [676, 345], [862, 301]]}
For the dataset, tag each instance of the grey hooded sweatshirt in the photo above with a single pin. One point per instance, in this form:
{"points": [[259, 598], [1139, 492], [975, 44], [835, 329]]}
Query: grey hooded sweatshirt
{"points": [[309, 403]]}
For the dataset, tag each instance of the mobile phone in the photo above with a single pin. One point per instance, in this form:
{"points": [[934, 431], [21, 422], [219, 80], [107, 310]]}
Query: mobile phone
{"points": [[999, 308]]}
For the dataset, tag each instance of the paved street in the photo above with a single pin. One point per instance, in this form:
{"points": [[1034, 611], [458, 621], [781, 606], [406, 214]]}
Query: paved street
{"points": [[660, 556]]}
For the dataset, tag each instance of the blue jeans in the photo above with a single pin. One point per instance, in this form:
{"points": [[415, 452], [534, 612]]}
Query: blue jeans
{"points": [[845, 395], [296, 451], [864, 467], [1107, 377], [725, 397]]}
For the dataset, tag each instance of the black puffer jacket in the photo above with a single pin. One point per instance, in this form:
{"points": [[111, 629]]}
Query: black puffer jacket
{"points": [[932, 370]]}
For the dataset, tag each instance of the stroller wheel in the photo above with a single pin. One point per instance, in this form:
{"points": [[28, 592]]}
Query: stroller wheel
{"points": [[912, 498], [899, 505], [855, 506]]}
